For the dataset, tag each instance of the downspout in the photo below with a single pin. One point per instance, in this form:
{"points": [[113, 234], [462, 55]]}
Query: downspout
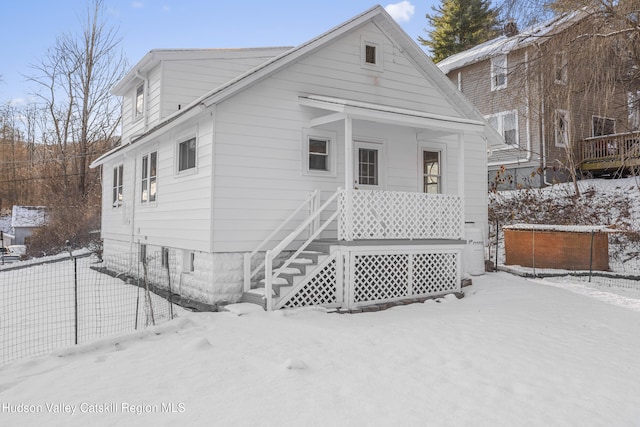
{"points": [[541, 123], [133, 204]]}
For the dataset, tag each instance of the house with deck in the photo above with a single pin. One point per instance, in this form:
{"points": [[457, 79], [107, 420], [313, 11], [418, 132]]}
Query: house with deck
{"points": [[558, 111], [342, 172]]}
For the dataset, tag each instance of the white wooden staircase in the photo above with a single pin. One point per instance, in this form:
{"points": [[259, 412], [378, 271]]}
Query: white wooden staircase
{"points": [[288, 278]]}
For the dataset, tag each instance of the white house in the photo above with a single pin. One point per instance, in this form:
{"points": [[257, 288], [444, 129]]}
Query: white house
{"points": [[342, 170]]}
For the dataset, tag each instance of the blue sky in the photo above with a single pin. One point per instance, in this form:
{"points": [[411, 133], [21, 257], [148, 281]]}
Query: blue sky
{"points": [[30, 27]]}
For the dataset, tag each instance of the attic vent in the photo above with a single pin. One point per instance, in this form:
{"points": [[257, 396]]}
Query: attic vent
{"points": [[510, 28], [370, 54]]}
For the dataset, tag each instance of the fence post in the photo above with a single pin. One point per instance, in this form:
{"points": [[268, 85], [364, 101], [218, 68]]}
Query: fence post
{"points": [[591, 257], [75, 290]]}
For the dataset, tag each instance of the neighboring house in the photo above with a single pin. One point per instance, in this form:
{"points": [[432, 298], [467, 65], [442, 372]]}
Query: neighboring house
{"points": [[556, 114], [355, 136], [24, 220]]}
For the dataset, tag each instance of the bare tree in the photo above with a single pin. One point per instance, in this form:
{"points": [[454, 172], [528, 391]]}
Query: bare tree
{"points": [[75, 120], [74, 79]]}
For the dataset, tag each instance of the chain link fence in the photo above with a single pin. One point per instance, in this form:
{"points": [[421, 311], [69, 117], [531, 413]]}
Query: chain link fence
{"points": [[65, 301]]}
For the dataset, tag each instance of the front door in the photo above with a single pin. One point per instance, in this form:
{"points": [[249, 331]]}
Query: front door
{"points": [[369, 165]]}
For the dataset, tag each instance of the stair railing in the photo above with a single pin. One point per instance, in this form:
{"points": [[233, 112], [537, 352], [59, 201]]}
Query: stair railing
{"points": [[312, 202], [269, 274]]}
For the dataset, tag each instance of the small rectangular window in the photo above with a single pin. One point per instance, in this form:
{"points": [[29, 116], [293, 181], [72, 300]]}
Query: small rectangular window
{"points": [[118, 175], [499, 72], [139, 101], [149, 179], [187, 155], [370, 54], [431, 171], [318, 154]]}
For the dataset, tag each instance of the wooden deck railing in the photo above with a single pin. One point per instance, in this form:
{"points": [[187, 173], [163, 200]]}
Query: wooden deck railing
{"points": [[610, 152]]}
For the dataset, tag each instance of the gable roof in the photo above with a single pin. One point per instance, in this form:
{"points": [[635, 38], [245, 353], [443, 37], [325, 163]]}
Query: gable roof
{"points": [[503, 44], [376, 14], [155, 56]]}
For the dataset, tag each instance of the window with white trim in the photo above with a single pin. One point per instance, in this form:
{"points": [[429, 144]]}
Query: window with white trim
{"points": [[118, 175], [560, 68], [149, 190], [498, 72], [319, 152], [139, 102], [603, 126], [431, 172], [506, 123], [371, 54], [561, 128], [187, 154]]}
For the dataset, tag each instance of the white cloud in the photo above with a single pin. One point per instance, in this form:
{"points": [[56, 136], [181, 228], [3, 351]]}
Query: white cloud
{"points": [[401, 12], [137, 5]]}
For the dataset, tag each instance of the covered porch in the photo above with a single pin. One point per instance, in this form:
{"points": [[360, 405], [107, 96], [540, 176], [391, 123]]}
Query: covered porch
{"points": [[386, 245]]}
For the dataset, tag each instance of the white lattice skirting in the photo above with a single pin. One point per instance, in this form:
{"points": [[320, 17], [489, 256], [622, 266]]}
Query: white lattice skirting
{"points": [[352, 278]]}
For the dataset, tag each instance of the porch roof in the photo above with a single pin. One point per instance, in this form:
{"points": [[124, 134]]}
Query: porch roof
{"points": [[342, 108]]}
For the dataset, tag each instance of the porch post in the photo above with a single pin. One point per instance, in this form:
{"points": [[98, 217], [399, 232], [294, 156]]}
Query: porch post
{"points": [[348, 177], [461, 179]]}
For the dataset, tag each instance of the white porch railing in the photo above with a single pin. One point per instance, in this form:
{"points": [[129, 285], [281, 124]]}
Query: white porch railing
{"points": [[365, 214], [368, 214]]}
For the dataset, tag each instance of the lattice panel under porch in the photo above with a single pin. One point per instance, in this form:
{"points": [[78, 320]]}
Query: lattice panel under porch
{"points": [[380, 277], [320, 290], [384, 277], [434, 273]]}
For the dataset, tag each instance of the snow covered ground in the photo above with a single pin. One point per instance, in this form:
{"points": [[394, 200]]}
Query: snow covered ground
{"points": [[513, 352]]}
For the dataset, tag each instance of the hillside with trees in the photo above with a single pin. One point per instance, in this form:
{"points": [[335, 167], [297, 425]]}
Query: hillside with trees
{"points": [[48, 145]]}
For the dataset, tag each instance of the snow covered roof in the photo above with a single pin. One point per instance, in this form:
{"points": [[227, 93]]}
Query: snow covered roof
{"points": [[28, 216], [564, 228], [503, 44]]}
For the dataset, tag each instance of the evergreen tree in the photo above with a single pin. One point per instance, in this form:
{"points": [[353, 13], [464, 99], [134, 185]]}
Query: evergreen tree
{"points": [[459, 25]]}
